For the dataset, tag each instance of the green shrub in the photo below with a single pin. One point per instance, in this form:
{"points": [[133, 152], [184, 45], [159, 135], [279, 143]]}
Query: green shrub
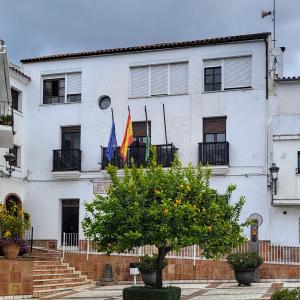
{"points": [[286, 294], [148, 263], [243, 261], [148, 293]]}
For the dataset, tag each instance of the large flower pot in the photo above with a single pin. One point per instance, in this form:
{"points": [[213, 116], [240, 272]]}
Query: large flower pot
{"points": [[11, 251], [245, 277], [149, 277]]}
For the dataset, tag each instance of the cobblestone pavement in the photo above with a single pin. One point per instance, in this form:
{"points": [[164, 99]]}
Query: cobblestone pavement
{"points": [[196, 291]]}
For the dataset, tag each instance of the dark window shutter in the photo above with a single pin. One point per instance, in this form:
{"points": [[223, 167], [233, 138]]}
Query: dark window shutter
{"points": [[214, 125], [140, 128]]}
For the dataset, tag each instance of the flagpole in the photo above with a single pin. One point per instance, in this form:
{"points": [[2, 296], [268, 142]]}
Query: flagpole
{"points": [[112, 115], [166, 137], [147, 152], [128, 109], [146, 118]]}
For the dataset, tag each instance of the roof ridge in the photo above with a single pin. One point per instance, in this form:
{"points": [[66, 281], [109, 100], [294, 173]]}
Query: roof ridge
{"points": [[157, 46]]}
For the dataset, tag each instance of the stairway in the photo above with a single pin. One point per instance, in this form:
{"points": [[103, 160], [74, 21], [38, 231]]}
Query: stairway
{"points": [[52, 277]]}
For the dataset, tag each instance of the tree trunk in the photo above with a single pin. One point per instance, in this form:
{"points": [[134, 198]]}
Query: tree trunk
{"points": [[162, 252]]}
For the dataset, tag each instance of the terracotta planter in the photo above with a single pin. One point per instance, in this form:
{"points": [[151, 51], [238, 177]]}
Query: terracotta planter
{"points": [[11, 251]]}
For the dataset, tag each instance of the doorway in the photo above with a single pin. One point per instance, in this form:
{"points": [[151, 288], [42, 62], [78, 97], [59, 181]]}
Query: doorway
{"points": [[70, 222]]}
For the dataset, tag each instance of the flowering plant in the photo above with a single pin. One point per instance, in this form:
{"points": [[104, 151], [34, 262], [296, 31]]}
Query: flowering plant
{"points": [[13, 222], [11, 240]]}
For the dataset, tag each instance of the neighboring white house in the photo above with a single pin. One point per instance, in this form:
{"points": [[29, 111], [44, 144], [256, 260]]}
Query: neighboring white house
{"points": [[217, 95], [286, 138]]}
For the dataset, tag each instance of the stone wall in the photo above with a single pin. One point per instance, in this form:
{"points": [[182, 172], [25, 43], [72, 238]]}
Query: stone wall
{"points": [[16, 276], [177, 269]]}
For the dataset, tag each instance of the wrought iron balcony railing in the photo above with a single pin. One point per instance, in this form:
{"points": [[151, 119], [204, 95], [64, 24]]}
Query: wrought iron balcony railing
{"points": [[67, 160], [165, 156], [214, 153], [6, 113]]}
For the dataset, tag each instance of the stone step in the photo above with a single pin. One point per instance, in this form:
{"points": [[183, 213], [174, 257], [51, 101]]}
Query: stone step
{"points": [[57, 281], [67, 285], [56, 275], [53, 271], [43, 258], [57, 293], [51, 267], [46, 262]]}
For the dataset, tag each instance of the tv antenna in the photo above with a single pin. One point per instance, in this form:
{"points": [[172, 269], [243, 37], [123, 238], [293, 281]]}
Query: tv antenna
{"points": [[265, 13]]}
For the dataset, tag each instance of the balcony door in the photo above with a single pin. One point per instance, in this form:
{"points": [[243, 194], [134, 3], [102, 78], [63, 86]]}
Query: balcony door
{"points": [[214, 150], [137, 149], [69, 157], [140, 133], [70, 137], [70, 221], [214, 130]]}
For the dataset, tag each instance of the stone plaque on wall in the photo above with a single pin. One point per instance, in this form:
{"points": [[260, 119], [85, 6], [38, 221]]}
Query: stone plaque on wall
{"points": [[100, 187]]}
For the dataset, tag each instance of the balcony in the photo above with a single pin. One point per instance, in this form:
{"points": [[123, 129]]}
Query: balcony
{"points": [[216, 155], [6, 125], [165, 156], [66, 163]]}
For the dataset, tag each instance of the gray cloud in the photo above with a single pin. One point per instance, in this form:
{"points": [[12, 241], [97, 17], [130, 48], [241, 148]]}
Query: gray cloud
{"points": [[41, 27]]}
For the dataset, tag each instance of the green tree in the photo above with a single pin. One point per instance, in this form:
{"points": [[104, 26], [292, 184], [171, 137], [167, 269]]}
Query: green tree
{"points": [[169, 208]]}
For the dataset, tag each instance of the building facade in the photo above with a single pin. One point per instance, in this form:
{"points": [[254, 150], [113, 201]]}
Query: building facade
{"points": [[219, 103]]}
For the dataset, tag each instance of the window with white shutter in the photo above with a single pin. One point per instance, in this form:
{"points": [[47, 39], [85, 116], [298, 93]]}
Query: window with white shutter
{"points": [[237, 72], [139, 82], [178, 78], [159, 80], [74, 87], [64, 88]]}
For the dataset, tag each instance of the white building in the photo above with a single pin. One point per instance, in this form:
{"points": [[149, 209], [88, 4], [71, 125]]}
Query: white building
{"points": [[216, 94], [286, 139]]}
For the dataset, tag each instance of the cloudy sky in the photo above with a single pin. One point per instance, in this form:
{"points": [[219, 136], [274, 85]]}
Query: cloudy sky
{"points": [[40, 27]]}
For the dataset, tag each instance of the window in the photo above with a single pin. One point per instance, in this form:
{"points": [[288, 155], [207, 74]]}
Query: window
{"points": [[16, 99], [212, 79], [66, 89], [70, 137], [228, 73], [159, 80], [140, 133], [54, 91], [214, 130], [16, 150]]}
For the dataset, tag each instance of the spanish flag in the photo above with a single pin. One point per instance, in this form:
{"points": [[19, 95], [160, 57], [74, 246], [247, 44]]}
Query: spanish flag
{"points": [[128, 137]]}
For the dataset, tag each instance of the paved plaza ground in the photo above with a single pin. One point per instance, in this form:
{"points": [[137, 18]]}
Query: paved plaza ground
{"points": [[195, 291]]}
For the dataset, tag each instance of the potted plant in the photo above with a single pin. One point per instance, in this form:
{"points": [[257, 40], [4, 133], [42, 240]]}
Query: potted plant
{"points": [[244, 266], [6, 119], [148, 268], [13, 223]]}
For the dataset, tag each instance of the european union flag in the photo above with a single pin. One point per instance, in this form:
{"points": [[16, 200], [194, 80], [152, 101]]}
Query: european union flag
{"points": [[112, 144]]}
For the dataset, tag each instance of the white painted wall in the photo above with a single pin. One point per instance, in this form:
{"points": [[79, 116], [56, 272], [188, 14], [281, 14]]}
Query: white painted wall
{"points": [[246, 112], [15, 183]]}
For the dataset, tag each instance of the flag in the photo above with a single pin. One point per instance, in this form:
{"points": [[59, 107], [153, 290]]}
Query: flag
{"points": [[112, 143], [147, 153], [128, 137]]}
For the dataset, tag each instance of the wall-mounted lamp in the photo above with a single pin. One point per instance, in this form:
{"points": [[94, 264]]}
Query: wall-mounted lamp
{"points": [[274, 177], [10, 158]]}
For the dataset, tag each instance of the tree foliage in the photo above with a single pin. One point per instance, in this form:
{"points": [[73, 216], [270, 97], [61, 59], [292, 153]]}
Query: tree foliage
{"points": [[169, 208]]}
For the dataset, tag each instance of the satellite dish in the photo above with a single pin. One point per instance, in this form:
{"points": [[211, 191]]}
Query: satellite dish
{"points": [[265, 13]]}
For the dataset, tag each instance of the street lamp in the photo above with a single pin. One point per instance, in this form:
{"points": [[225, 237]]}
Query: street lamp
{"points": [[10, 158], [274, 177]]}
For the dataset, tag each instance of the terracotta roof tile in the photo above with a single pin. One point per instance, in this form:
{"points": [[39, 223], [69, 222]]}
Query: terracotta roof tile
{"points": [[213, 41]]}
